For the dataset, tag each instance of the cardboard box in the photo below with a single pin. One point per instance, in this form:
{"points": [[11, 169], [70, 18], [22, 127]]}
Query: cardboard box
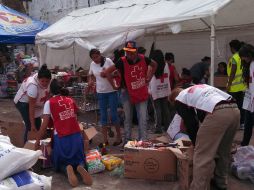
{"points": [[184, 154], [45, 160], [149, 164], [88, 134], [220, 82]]}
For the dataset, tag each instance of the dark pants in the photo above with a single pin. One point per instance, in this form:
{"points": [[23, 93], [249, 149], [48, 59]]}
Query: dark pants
{"points": [[23, 108], [161, 113], [248, 126], [238, 96]]}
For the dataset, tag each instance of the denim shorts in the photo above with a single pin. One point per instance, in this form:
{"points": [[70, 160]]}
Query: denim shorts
{"points": [[108, 100]]}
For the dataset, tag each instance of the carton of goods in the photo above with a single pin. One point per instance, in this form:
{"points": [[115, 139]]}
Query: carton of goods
{"points": [[146, 160], [184, 153]]}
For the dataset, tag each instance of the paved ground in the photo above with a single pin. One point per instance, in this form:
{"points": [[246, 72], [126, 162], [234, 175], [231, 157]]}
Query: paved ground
{"points": [[104, 181]]}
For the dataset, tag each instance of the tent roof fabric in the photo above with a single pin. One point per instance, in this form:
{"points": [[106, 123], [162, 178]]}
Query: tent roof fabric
{"points": [[108, 23], [17, 27]]}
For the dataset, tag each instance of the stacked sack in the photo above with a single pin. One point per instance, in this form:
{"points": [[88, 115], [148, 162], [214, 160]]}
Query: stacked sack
{"points": [[243, 165], [14, 165]]}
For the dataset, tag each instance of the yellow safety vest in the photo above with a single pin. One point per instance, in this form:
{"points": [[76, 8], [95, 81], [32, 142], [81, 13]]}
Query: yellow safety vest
{"points": [[238, 82]]}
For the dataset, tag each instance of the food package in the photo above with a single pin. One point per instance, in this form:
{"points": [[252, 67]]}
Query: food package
{"points": [[111, 162], [93, 160]]}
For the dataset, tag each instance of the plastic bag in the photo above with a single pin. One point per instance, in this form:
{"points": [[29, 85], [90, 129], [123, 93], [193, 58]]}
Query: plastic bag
{"points": [[93, 160], [243, 165], [118, 171], [13, 159], [26, 180], [111, 162]]}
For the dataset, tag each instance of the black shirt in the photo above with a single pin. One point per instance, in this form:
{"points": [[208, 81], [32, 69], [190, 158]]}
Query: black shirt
{"points": [[120, 66], [191, 118]]}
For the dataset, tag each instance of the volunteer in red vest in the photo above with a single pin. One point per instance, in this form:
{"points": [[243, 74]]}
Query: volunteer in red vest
{"points": [[219, 117], [159, 88], [136, 71], [68, 147], [30, 99]]}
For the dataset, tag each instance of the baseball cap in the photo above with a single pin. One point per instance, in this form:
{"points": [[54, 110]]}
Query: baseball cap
{"points": [[130, 46]]}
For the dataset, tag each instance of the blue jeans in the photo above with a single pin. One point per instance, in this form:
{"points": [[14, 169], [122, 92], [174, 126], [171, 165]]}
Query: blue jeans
{"points": [[108, 100], [128, 111], [23, 108]]}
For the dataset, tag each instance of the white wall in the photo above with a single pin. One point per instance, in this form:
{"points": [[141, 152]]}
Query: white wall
{"points": [[51, 11], [189, 48]]}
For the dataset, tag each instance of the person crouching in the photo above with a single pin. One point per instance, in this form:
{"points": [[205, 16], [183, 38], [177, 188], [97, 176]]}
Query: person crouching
{"points": [[68, 147]]}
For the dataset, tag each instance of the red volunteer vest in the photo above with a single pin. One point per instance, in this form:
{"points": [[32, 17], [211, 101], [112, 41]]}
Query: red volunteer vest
{"points": [[63, 111], [135, 79]]}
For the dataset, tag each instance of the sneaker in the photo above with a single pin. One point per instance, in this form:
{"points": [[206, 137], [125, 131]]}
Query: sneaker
{"points": [[86, 177], [72, 178]]}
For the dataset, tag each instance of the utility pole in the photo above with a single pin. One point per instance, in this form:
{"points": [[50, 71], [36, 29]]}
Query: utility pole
{"points": [[88, 3]]}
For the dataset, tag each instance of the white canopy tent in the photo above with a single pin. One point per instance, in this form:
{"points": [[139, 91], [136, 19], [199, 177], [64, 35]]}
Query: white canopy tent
{"points": [[109, 25]]}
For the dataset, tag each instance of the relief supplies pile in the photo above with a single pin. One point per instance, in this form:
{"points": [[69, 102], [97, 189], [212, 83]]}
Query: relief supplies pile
{"points": [[14, 165], [243, 165]]}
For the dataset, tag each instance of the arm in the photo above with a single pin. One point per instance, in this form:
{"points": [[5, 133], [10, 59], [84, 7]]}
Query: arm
{"points": [[232, 74], [190, 119], [176, 75], [108, 73], [42, 131]]}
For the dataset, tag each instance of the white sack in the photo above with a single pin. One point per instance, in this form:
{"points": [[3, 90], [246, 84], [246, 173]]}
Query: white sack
{"points": [[13, 159], [26, 180]]}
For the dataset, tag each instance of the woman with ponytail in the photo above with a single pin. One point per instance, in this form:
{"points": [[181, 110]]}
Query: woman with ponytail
{"points": [[68, 147], [30, 99], [159, 88]]}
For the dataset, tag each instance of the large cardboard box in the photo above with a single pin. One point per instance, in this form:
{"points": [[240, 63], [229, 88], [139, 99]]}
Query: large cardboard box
{"points": [[220, 82], [149, 164], [184, 153], [88, 134], [45, 160]]}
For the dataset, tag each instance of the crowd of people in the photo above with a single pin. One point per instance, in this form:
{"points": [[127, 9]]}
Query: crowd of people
{"points": [[134, 80]]}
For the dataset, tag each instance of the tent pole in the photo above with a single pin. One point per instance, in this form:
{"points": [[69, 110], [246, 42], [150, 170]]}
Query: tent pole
{"points": [[212, 38]]}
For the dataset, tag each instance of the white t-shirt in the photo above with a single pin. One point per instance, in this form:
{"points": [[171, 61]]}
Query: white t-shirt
{"points": [[248, 102], [102, 84], [46, 109], [32, 91]]}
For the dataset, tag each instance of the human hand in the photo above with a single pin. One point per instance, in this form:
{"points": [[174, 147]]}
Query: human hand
{"points": [[37, 145], [103, 73]]}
